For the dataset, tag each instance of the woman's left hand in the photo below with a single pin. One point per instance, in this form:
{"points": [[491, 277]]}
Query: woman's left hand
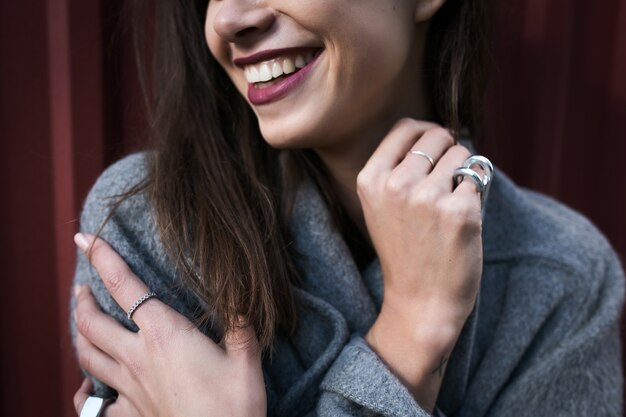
{"points": [[168, 368]]}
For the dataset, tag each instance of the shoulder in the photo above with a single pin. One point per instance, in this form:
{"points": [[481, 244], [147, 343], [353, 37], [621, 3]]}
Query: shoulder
{"points": [[122, 215], [523, 223], [547, 245], [118, 209], [110, 188]]}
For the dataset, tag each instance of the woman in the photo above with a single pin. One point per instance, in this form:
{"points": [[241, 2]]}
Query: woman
{"points": [[300, 170]]}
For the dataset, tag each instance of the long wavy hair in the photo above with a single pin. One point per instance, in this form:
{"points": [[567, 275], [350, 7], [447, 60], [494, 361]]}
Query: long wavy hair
{"points": [[222, 196]]}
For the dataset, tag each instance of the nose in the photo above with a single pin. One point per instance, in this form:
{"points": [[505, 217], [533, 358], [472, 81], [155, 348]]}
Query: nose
{"points": [[237, 20]]}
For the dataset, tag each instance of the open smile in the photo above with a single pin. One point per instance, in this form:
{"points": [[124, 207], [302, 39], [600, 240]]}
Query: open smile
{"points": [[273, 74]]}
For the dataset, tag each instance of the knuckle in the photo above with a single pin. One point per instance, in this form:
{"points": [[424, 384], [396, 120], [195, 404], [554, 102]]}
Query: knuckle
{"points": [[425, 198], [115, 280], [413, 125], [439, 132], [395, 188], [85, 360], [364, 182], [154, 337], [407, 122], [446, 136], [83, 322], [460, 214], [135, 369], [460, 151]]}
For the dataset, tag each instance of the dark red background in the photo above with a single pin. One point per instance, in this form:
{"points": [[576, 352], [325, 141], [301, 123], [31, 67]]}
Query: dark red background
{"points": [[69, 107]]}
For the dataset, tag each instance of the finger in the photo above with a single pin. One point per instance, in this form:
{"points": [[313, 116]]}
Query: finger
{"points": [[121, 407], [84, 391], [241, 341], [467, 186], [434, 142], [414, 167], [397, 143], [96, 362], [99, 328], [125, 287], [452, 159]]}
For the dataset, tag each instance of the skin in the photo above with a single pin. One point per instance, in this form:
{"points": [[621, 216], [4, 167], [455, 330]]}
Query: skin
{"points": [[361, 109]]}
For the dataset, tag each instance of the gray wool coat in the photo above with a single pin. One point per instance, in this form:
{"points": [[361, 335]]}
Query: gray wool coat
{"points": [[543, 339]]}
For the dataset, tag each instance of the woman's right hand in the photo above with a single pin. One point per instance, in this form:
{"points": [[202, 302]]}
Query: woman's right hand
{"points": [[427, 235], [169, 367]]}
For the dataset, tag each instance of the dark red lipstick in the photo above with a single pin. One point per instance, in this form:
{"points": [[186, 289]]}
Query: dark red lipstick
{"points": [[283, 86]]}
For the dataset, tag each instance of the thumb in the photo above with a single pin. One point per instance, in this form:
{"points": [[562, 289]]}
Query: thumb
{"points": [[242, 340]]}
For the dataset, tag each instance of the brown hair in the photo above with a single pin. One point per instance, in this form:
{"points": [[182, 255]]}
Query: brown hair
{"points": [[221, 195]]}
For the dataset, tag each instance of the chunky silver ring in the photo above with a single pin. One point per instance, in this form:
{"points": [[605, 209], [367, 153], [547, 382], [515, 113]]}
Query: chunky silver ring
{"points": [[487, 168], [461, 173], [137, 303], [482, 183], [482, 162], [94, 406], [423, 154]]}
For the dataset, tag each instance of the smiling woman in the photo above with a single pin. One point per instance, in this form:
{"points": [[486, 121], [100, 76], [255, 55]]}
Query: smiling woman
{"points": [[310, 235]]}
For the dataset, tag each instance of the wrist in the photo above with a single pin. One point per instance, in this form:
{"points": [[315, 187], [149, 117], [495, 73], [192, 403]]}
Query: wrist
{"points": [[429, 330], [416, 346]]}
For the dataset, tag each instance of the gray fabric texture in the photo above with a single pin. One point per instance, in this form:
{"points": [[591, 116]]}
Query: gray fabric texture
{"points": [[543, 339]]}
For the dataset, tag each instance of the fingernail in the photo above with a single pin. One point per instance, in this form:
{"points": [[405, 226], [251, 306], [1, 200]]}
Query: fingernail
{"points": [[78, 289], [81, 241]]}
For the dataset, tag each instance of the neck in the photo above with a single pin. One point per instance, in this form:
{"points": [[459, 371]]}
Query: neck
{"points": [[344, 162], [348, 156]]}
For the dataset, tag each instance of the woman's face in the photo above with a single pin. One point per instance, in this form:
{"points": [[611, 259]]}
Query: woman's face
{"points": [[319, 71]]}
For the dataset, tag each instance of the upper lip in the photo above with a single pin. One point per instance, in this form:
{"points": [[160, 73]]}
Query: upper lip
{"points": [[270, 54]]}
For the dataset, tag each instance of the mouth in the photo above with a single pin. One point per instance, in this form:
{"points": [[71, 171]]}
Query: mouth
{"points": [[267, 73], [275, 73]]}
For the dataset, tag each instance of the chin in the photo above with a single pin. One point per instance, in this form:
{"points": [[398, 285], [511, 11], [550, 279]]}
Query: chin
{"points": [[286, 140], [286, 134]]}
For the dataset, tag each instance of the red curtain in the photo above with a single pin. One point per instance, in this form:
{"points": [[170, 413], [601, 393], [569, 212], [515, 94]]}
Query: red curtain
{"points": [[69, 106]]}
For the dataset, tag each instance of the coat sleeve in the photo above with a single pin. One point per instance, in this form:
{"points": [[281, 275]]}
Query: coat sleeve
{"points": [[561, 357], [360, 384]]}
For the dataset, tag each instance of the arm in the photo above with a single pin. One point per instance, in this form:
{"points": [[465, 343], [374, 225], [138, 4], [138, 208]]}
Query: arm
{"points": [[427, 234], [575, 370], [562, 360]]}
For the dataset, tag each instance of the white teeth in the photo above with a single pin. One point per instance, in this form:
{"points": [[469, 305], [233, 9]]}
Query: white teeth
{"points": [[300, 62], [288, 66], [254, 73], [274, 68], [265, 74], [277, 70]]}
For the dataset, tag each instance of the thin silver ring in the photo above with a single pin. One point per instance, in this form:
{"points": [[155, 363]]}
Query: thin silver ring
{"points": [[94, 406], [137, 303], [424, 154]]}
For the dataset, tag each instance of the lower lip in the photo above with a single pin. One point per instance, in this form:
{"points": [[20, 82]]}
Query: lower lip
{"points": [[266, 95]]}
